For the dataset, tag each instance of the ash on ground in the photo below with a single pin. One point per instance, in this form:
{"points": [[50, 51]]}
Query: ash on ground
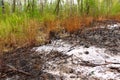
{"points": [[88, 54]]}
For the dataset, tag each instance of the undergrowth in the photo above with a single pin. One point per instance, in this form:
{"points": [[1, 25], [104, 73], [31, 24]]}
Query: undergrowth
{"points": [[28, 27]]}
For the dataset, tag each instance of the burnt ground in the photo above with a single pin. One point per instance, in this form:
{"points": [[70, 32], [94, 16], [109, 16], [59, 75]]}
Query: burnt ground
{"points": [[99, 37], [26, 64], [23, 64]]}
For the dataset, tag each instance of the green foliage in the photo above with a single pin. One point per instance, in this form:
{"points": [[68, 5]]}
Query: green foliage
{"points": [[83, 7], [115, 9], [11, 23]]}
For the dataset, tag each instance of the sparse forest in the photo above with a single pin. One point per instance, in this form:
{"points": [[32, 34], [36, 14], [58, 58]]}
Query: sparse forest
{"points": [[31, 23]]}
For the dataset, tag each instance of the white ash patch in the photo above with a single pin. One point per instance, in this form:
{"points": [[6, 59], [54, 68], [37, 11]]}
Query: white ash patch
{"points": [[54, 46], [113, 26], [95, 55], [89, 63]]}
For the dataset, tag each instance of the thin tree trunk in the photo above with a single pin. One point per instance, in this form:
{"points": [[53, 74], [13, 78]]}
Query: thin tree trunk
{"points": [[41, 6], [51, 2], [45, 2], [57, 7], [14, 5], [87, 7], [71, 7], [67, 1], [33, 5], [78, 6], [108, 5], [25, 3], [19, 5], [3, 7], [28, 6], [81, 9]]}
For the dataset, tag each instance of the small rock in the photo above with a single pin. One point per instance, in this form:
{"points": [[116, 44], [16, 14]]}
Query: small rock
{"points": [[71, 71], [72, 76], [86, 46], [86, 52]]}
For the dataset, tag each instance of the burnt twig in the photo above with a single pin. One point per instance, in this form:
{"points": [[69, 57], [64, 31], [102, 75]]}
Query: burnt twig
{"points": [[12, 68]]}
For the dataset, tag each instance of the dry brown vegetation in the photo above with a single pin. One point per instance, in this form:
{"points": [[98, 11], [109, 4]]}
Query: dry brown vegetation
{"points": [[70, 24], [30, 23], [32, 29], [26, 38]]}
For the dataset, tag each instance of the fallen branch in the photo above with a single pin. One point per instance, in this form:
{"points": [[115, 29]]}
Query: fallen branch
{"points": [[111, 62], [87, 63], [12, 68], [115, 68]]}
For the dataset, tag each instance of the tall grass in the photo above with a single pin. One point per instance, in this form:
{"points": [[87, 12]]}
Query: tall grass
{"points": [[17, 31], [23, 26]]}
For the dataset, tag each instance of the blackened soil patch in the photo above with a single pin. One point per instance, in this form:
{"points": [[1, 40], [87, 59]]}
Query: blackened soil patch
{"points": [[99, 37], [28, 65]]}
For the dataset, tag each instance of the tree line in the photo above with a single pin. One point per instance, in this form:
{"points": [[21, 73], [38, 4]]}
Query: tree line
{"points": [[82, 6]]}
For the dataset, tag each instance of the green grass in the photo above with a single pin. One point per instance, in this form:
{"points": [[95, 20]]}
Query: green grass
{"points": [[21, 27]]}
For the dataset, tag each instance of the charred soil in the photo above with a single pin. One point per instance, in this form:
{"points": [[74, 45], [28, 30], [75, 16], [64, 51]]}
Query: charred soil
{"points": [[26, 64]]}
